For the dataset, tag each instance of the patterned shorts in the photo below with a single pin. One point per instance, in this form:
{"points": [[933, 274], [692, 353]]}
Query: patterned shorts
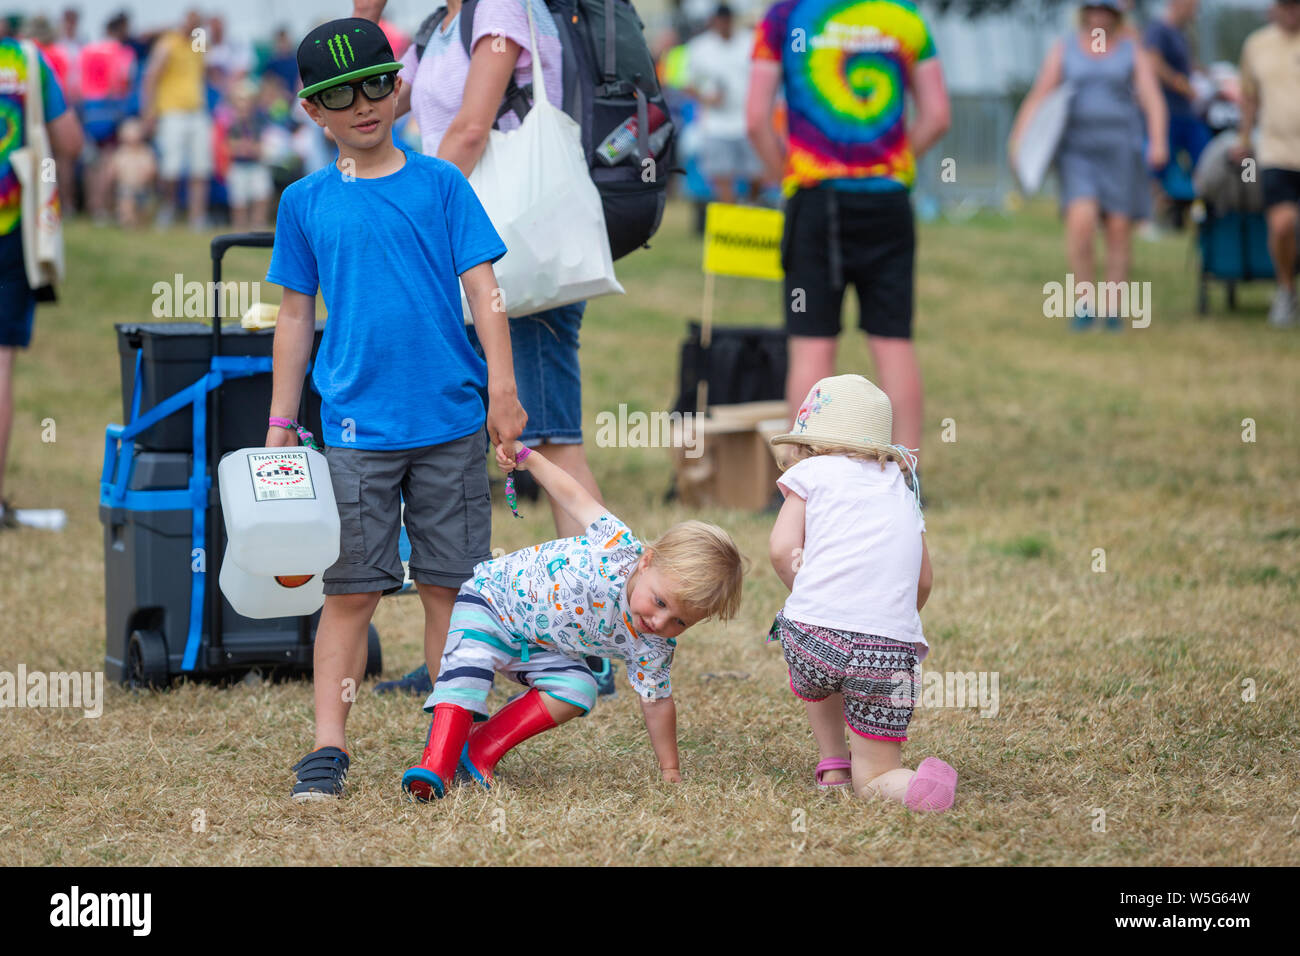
{"points": [[876, 675]]}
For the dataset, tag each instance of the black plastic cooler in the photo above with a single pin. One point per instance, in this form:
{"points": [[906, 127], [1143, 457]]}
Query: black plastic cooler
{"points": [[174, 355], [152, 505]]}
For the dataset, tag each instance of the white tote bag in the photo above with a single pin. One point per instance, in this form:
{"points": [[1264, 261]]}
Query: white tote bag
{"points": [[534, 183], [1041, 139], [33, 165]]}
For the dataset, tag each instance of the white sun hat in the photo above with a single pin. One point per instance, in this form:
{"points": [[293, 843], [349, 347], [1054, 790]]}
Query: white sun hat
{"points": [[848, 411]]}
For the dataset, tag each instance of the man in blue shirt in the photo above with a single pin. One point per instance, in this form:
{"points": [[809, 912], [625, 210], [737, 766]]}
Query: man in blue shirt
{"points": [[1167, 44], [282, 62], [385, 234]]}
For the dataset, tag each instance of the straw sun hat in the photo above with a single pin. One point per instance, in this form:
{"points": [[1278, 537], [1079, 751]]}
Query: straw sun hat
{"points": [[847, 411]]}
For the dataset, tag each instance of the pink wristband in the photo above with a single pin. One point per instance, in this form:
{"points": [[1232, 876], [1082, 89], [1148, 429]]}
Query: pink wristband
{"points": [[303, 435], [522, 454]]}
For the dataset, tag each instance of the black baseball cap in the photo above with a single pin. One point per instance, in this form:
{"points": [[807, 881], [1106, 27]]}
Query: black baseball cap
{"points": [[341, 51]]}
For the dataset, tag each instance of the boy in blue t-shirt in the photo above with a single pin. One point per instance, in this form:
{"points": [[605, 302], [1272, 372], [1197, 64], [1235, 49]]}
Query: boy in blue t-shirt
{"points": [[384, 234]]}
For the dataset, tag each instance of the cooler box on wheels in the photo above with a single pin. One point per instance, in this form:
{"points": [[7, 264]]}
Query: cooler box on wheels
{"points": [[1233, 247], [153, 505], [1232, 238], [174, 355]]}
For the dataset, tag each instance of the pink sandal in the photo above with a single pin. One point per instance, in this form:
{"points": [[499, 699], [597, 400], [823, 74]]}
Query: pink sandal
{"points": [[832, 763], [933, 787]]}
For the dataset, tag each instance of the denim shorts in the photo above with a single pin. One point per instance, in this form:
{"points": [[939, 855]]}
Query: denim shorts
{"points": [[729, 157], [547, 374], [17, 302]]}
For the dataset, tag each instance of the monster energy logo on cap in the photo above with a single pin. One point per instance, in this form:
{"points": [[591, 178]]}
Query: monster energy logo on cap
{"points": [[343, 51], [340, 48]]}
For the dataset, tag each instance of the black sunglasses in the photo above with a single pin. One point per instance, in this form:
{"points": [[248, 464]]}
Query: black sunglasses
{"points": [[374, 87]]}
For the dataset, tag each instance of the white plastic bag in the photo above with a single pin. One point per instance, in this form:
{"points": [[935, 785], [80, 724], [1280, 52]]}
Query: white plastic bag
{"points": [[534, 184]]}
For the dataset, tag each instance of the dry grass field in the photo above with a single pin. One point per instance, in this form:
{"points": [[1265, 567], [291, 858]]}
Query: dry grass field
{"points": [[1146, 715]]}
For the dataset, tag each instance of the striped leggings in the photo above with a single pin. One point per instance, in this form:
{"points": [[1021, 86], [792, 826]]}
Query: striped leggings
{"points": [[479, 647]]}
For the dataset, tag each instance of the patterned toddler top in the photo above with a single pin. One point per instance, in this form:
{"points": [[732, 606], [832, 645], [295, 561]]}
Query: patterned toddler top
{"points": [[570, 596]]}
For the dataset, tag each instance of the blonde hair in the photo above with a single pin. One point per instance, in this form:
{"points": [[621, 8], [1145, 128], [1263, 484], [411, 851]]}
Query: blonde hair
{"points": [[1121, 17], [706, 564], [801, 450]]}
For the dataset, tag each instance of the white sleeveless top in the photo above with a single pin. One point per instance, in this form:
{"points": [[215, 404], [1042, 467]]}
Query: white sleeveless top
{"points": [[861, 556]]}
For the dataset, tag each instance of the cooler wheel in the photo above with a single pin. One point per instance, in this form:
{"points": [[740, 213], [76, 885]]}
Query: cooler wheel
{"points": [[147, 660]]}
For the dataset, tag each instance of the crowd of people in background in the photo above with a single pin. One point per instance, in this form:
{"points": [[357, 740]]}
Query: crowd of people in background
{"points": [[1146, 121], [190, 118], [190, 122], [183, 117]]}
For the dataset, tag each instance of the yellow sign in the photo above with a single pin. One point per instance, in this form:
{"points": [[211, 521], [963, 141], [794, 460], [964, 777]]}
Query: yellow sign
{"points": [[743, 241]]}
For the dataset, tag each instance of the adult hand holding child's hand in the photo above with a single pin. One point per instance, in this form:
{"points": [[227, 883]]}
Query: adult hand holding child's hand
{"points": [[506, 418], [509, 460]]}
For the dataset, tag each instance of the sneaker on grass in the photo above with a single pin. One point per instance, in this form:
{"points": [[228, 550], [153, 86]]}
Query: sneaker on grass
{"points": [[602, 668], [416, 682], [1082, 320], [321, 774], [1282, 315]]}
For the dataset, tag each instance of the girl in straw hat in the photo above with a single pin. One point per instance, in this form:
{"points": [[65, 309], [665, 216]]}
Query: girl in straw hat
{"points": [[849, 544]]}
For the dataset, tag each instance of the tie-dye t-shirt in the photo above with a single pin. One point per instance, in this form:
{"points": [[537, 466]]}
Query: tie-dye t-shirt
{"points": [[13, 93], [845, 67]]}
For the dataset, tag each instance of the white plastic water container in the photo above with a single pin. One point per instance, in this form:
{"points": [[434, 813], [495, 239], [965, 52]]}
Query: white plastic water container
{"points": [[275, 596], [280, 514]]}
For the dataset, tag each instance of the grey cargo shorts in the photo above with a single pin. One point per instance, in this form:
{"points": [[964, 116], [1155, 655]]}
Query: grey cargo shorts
{"points": [[448, 514]]}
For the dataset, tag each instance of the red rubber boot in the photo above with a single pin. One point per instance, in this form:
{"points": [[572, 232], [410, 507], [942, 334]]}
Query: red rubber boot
{"points": [[429, 778], [514, 723]]}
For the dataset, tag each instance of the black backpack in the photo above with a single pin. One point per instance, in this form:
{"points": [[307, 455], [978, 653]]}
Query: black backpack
{"points": [[608, 76], [741, 364]]}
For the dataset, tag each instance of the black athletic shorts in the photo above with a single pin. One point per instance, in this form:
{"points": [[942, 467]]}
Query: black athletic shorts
{"points": [[17, 301], [1279, 186], [836, 237]]}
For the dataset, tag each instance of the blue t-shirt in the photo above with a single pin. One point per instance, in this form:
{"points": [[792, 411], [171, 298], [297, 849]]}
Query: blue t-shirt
{"points": [[1173, 48], [394, 362]]}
